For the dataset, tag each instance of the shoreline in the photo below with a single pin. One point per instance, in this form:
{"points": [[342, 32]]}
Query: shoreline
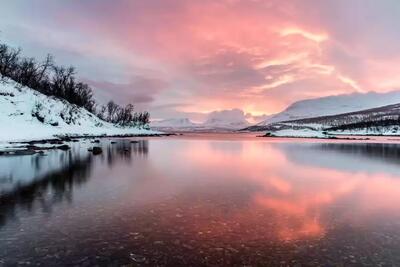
{"points": [[38, 146], [29, 147], [343, 138], [69, 138]]}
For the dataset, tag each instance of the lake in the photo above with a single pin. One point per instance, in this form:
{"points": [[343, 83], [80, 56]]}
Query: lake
{"points": [[203, 200]]}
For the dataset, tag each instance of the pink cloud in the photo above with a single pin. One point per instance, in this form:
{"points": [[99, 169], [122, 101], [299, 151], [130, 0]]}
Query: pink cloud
{"points": [[258, 56]]}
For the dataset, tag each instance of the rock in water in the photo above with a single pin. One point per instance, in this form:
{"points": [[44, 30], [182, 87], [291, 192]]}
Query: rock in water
{"points": [[64, 147], [96, 150]]}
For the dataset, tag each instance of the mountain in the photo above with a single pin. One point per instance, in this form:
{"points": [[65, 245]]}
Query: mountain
{"points": [[26, 114], [228, 119], [185, 124], [383, 120], [332, 105], [222, 124], [224, 120], [174, 123]]}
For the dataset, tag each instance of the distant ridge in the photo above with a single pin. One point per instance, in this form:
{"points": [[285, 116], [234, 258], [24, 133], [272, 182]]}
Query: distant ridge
{"points": [[331, 105]]}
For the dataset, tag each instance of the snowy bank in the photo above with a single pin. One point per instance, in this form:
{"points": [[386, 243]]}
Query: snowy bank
{"points": [[26, 114], [320, 133], [299, 133]]}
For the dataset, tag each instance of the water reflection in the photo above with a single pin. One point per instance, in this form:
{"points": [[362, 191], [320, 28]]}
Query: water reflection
{"points": [[354, 157], [125, 150], [59, 173], [380, 152], [191, 202], [45, 191], [17, 171]]}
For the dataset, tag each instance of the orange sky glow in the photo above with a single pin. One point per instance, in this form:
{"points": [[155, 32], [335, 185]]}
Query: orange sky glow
{"points": [[187, 58]]}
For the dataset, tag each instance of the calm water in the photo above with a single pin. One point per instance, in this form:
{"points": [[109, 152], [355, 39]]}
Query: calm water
{"points": [[203, 201]]}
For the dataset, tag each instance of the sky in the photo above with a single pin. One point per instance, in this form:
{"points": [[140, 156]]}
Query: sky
{"points": [[180, 58]]}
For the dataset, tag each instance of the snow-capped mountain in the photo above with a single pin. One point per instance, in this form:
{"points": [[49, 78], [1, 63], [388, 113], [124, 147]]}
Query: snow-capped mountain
{"points": [[332, 105], [185, 124], [174, 123], [26, 114], [224, 120], [215, 123]]}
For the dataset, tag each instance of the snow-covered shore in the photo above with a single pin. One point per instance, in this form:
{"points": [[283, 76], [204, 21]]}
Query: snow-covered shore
{"points": [[300, 133], [310, 133], [27, 115]]}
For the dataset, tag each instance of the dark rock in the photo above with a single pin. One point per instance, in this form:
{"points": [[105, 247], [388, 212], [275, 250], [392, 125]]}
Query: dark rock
{"points": [[33, 147], [96, 150], [38, 117], [64, 147], [56, 142], [24, 152], [39, 142]]}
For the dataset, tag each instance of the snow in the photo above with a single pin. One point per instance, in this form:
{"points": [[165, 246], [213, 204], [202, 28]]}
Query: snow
{"points": [[316, 133], [22, 108], [174, 122], [230, 119], [301, 133], [233, 119], [382, 121], [333, 105], [384, 131]]}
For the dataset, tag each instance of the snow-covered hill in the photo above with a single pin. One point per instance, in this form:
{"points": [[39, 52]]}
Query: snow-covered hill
{"points": [[332, 105], [377, 121], [26, 114]]}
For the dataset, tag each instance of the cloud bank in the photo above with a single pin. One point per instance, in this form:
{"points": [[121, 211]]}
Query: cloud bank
{"points": [[192, 57]]}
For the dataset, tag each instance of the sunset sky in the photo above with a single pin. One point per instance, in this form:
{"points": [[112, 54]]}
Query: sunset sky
{"points": [[180, 58]]}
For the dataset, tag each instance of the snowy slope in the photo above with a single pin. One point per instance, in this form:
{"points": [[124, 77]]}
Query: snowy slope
{"points": [[26, 114], [332, 105], [377, 121]]}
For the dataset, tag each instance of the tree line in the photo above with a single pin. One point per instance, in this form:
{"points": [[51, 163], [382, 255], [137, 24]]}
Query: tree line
{"points": [[125, 116], [384, 123], [59, 81]]}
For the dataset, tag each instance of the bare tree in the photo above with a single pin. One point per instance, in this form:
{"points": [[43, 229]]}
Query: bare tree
{"points": [[112, 110]]}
